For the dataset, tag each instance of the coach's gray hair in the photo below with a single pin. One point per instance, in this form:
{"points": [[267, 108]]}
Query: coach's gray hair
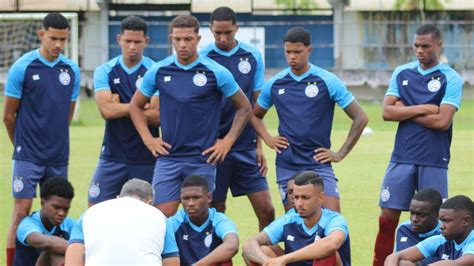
{"points": [[138, 188]]}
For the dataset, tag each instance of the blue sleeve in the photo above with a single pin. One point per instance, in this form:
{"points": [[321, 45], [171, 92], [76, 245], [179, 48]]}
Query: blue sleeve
{"points": [[224, 226], [148, 86], [468, 248], [339, 92], [101, 78], [275, 229], [265, 98], [453, 92], [259, 79], [170, 248], [68, 225], [14, 83], [337, 223], [77, 235], [225, 81], [27, 226], [393, 87], [429, 246], [77, 83]]}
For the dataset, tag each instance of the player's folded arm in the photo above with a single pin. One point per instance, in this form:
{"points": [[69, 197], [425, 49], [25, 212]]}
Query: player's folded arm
{"points": [[54, 244]]}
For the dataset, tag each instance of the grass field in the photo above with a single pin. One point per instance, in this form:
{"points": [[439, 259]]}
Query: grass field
{"points": [[360, 174]]}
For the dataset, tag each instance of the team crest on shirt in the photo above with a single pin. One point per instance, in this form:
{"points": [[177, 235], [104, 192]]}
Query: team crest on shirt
{"points": [[138, 82], [385, 194], [311, 90], [434, 85], [208, 240], [200, 79], [94, 190], [244, 66], [317, 238], [64, 77], [18, 149], [282, 193], [18, 184]]}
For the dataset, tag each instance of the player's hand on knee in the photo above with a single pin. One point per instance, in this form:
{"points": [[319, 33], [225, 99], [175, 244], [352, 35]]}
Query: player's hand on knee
{"points": [[324, 155], [157, 146], [218, 151]]}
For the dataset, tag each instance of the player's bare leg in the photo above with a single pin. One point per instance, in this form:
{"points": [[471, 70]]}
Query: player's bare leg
{"points": [[332, 203], [21, 208], [388, 222], [263, 207], [168, 208]]}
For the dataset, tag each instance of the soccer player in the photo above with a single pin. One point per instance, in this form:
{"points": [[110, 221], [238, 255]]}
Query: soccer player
{"points": [[304, 96], [42, 236], [422, 97], [123, 155], [123, 231], [40, 95], [423, 223], [190, 90], [310, 235], [244, 167], [456, 244], [203, 235]]}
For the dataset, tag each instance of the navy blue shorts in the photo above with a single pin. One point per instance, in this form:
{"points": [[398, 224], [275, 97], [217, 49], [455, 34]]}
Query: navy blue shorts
{"points": [[169, 175], [109, 177], [239, 172], [27, 174], [329, 179], [401, 181]]}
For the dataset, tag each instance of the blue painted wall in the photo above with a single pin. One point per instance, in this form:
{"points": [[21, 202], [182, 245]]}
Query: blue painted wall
{"points": [[319, 26]]}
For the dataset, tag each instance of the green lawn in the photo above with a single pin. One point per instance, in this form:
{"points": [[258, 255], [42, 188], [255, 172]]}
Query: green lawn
{"points": [[360, 174]]}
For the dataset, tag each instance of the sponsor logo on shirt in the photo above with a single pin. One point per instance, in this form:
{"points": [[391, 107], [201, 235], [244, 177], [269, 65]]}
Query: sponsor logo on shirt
{"points": [[290, 238], [281, 91], [167, 78], [64, 77], [434, 85], [445, 257], [311, 90], [138, 82], [185, 237], [36, 77], [404, 239], [405, 82], [116, 80], [244, 66], [208, 240], [199, 79]]}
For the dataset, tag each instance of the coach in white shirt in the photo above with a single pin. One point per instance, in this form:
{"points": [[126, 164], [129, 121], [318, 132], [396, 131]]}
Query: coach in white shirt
{"points": [[125, 231]]}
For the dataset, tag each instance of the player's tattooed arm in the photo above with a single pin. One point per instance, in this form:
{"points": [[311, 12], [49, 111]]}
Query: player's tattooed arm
{"points": [[9, 115], [395, 110], [278, 142], [219, 150], [252, 252], [359, 121]]}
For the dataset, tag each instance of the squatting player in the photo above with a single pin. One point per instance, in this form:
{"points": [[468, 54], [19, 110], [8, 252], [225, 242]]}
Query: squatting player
{"points": [[304, 96], [455, 245], [312, 235], [42, 237], [244, 168], [423, 223], [40, 96], [123, 154], [423, 97], [203, 235], [190, 90]]}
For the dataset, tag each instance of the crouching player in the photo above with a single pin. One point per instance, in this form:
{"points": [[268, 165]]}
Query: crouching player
{"points": [[42, 236], [203, 236], [455, 245], [312, 235]]}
